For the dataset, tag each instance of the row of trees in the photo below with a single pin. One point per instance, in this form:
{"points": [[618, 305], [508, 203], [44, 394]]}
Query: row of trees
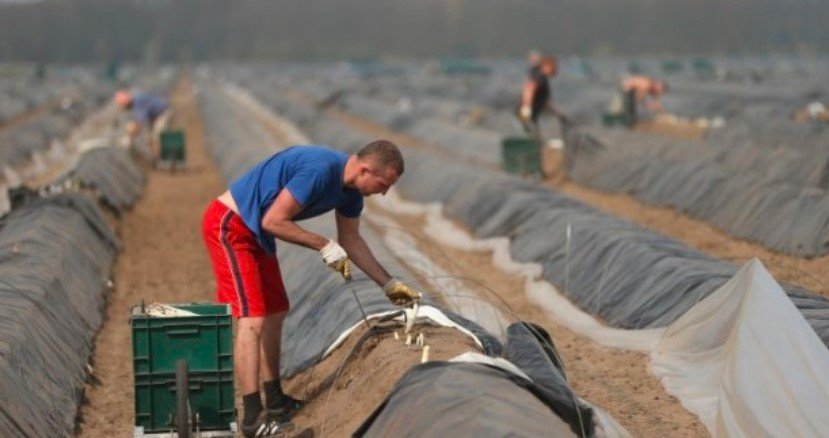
{"points": [[95, 30]]}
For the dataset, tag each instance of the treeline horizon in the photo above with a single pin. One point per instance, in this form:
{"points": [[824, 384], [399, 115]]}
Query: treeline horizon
{"points": [[273, 30]]}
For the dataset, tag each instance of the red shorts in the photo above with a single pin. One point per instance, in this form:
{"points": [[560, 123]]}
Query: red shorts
{"points": [[247, 277]]}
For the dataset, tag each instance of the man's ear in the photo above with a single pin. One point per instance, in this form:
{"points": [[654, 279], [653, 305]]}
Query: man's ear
{"points": [[363, 168]]}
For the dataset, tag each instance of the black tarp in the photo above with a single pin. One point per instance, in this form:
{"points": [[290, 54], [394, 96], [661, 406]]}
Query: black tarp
{"points": [[55, 259], [771, 194], [463, 399], [111, 173]]}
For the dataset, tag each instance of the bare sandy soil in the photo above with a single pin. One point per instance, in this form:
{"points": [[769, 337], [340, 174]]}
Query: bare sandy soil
{"points": [[345, 388], [162, 260], [671, 128]]}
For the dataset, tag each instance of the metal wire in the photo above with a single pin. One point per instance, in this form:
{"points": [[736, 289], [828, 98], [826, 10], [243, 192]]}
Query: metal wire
{"points": [[359, 304]]}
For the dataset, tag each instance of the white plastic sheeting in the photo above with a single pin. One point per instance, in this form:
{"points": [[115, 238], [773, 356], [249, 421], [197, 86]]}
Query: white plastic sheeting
{"points": [[747, 362], [425, 315]]}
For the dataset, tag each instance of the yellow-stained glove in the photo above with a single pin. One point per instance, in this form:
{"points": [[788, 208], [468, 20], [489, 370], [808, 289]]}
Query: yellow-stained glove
{"points": [[526, 113], [336, 258], [400, 294], [132, 128]]}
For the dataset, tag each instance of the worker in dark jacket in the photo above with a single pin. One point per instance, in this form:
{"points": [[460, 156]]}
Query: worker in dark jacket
{"points": [[537, 96]]}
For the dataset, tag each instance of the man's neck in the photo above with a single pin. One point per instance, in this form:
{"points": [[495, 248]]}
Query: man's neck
{"points": [[350, 172]]}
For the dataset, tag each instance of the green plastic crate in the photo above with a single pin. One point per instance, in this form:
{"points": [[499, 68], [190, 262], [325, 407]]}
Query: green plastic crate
{"points": [[211, 395], [205, 341], [609, 119], [521, 156], [173, 146]]}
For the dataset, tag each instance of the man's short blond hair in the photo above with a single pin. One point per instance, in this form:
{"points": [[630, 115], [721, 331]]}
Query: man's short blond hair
{"points": [[384, 153]]}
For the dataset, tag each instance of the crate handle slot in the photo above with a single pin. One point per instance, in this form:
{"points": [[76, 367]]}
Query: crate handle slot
{"points": [[193, 386], [179, 331]]}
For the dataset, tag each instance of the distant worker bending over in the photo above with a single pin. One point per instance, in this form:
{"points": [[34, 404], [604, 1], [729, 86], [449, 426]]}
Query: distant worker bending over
{"points": [[533, 60], [641, 90], [149, 112], [537, 96], [240, 229]]}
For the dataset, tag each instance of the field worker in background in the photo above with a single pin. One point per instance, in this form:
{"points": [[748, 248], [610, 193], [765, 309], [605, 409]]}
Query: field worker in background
{"points": [[149, 112], [533, 60], [536, 97], [240, 228], [638, 90]]}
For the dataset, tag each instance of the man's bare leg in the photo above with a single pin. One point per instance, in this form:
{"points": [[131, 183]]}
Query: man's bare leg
{"points": [[271, 346], [246, 365], [271, 351], [246, 353]]}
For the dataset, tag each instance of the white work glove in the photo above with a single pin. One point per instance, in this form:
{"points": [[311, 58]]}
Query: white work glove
{"points": [[525, 112], [336, 258], [400, 294]]}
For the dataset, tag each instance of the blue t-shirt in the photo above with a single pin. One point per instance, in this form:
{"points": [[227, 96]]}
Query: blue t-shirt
{"points": [[146, 107], [312, 174]]}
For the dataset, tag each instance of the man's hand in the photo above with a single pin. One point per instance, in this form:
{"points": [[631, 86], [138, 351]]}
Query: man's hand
{"points": [[336, 258], [525, 113], [400, 294], [132, 128]]}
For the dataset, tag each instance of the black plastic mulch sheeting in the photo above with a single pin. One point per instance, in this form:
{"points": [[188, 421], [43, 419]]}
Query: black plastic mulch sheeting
{"points": [[780, 172], [532, 350], [18, 145], [231, 144], [463, 399], [774, 196], [55, 258], [761, 177], [111, 173], [478, 145], [528, 347], [629, 276]]}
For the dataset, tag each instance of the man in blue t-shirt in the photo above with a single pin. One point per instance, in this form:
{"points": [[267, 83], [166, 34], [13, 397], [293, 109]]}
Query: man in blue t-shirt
{"points": [[240, 228], [149, 111]]}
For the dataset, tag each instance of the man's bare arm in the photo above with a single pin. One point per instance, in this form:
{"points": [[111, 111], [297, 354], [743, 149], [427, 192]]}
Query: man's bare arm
{"points": [[348, 235], [528, 92], [278, 221]]}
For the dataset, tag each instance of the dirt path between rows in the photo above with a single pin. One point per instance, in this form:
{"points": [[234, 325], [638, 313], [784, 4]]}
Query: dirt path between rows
{"points": [[162, 259]]}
